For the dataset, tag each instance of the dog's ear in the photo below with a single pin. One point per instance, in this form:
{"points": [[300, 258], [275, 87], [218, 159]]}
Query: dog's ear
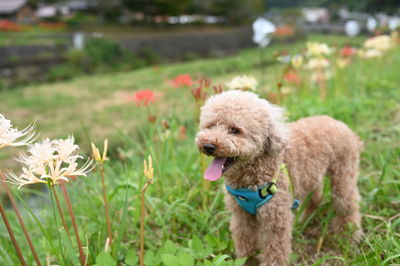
{"points": [[277, 132]]}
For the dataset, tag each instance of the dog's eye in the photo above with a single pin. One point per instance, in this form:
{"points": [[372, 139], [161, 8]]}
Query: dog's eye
{"points": [[211, 125], [234, 130]]}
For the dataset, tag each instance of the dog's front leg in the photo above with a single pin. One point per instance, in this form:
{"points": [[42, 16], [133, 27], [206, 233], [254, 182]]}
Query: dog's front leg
{"points": [[244, 229], [275, 230]]}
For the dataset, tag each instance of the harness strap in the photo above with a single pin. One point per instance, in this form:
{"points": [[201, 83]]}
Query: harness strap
{"points": [[251, 200], [286, 172]]}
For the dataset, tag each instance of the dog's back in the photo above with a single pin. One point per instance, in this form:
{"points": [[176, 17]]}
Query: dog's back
{"points": [[318, 146]]}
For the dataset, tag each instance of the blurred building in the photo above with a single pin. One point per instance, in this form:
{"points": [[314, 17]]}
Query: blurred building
{"points": [[316, 14], [17, 10]]}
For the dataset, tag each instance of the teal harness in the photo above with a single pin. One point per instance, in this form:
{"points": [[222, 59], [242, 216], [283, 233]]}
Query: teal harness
{"points": [[251, 200]]}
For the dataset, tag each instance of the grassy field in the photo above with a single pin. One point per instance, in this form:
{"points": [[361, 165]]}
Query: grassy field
{"points": [[186, 219]]}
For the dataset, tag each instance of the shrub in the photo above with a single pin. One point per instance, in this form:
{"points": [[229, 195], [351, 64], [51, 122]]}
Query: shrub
{"points": [[151, 57], [64, 71], [100, 51], [80, 19]]}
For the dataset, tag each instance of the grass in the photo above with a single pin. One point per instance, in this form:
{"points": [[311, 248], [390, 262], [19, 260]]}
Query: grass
{"points": [[186, 223]]}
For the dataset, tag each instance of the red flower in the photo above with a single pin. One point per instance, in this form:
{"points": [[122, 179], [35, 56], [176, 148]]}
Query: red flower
{"points": [[284, 31], [292, 77], [182, 81], [199, 93], [143, 97], [8, 25], [218, 89], [348, 51]]}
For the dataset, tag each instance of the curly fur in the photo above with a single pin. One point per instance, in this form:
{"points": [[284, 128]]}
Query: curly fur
{"points": [[311, 147]]}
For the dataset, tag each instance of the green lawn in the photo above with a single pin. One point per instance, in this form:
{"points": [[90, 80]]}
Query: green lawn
{"points": [[186, 220]]}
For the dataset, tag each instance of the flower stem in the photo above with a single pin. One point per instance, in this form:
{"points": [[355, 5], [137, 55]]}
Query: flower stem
{"points": [[142, 214], [51, 188], [61, 213], [71, 213], [106, 204], [10, 232], [21, 222]]}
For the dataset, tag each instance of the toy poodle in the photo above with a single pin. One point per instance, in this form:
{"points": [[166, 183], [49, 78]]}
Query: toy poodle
{"points": [[270, 165]]}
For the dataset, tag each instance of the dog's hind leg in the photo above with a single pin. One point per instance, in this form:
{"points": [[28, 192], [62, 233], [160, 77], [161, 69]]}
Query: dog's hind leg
{"points": [[315, 200], [346, 198]]}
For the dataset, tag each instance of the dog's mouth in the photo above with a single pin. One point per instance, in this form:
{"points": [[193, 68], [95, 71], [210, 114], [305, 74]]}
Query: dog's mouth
{"points": [[217, 167]]}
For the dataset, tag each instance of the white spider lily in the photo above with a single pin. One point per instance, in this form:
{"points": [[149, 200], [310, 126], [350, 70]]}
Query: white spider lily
{"points": [[10, 136], [381, 42], [242, 83], [40, 152], [318, 49], [26, 178], [317, 63], [66, 149], [52, 161]]}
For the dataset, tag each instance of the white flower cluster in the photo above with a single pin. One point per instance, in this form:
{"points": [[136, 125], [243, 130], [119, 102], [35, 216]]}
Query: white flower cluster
{"points": [[246, 83], [318, 49], [318, 63], [10, 136], [376, 46], [52, 161]]}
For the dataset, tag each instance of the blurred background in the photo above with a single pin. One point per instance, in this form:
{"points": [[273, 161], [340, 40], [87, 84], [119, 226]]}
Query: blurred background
{"points": [[50, 40], [72, 65]]}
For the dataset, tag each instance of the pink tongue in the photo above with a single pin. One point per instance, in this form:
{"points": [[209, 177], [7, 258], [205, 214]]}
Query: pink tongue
{"points": [[214, 170]]}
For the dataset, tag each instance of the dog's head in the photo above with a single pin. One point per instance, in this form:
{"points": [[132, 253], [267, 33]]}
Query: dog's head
{"points": [[239, 126]]}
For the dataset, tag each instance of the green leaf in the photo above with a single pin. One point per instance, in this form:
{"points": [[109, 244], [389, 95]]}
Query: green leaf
{"points": [[197, 245], [70, 252], [170, 260], [105, 259], [170, 247], [185, 259], [211, 241], [131, 259], [240, 262], [122, 226], [208, 263], [220, 259], [149, 258]]}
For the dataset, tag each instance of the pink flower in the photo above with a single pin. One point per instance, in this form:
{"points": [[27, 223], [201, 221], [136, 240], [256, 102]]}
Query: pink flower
{"points": [[348, 51], [292, 77], [143, 97], [183, 80]]}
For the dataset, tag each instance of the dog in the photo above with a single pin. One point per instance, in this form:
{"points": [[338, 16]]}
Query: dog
{"points": [[262, 157]]}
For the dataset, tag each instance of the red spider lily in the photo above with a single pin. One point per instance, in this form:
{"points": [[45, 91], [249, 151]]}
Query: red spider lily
{"points": [[143, 97], [292, 77], [7, 25], [184, 80], [348, 51], [205, 83], [284, 31], [200, 93], [218, 89]]}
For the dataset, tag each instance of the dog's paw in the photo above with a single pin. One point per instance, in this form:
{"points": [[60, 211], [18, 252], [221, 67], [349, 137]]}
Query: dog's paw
{"points": [[347, 226]]}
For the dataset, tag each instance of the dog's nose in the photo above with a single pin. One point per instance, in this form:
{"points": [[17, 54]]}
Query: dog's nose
{"points": [[209, 148]]}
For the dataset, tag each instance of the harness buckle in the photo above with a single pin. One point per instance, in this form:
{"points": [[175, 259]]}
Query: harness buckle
{"points": [[271, 188]]}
